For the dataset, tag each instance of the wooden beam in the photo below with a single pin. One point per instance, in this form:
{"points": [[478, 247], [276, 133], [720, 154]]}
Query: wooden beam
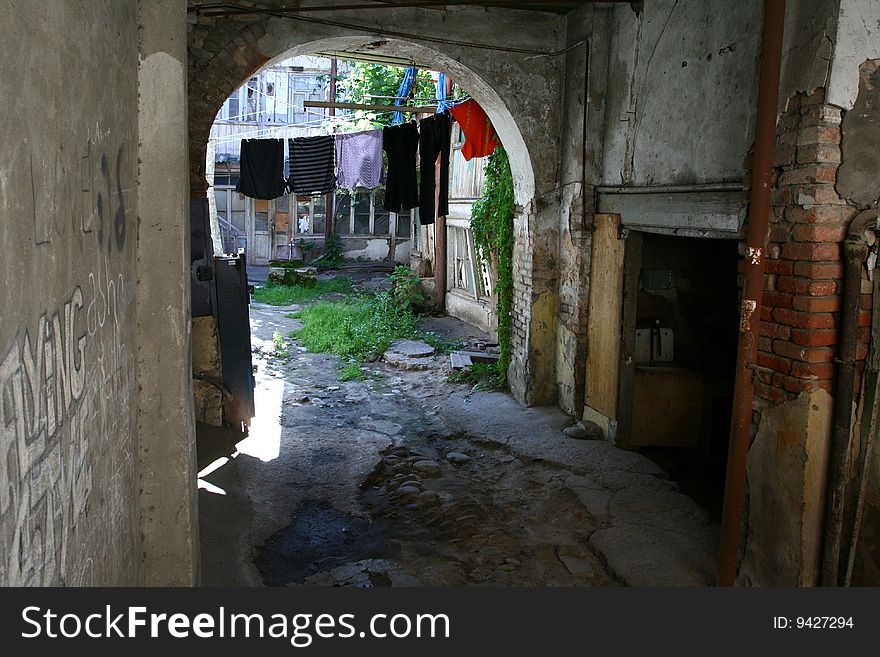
{"points": [[605, 309], [428, 109]]}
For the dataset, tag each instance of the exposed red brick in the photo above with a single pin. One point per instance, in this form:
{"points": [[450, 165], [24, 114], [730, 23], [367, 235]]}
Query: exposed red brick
{"points": [[794, 384], [821, 115], [819, 233], [819, 214], [818, 194], [769, 392], [819, 269], [810, 338], [809, 173], [811, 153], [818, 134], [805, 286], [816, 304], [813, 370], [802, 353], [865, 317], [811, 251], [776, 299], [774, 330], [784, 267], [804, 320], [774, 362]]}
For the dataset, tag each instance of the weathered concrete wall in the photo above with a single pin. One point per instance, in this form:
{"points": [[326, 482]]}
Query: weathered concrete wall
{"points": [[166, 424], [69, 475], [787, 466], [858, 39], [587, 35], [857, 178], [681, 92]]}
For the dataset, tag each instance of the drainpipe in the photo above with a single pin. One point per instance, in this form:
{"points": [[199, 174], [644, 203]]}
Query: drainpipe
{"points": [[750, 311], [859, 237]]}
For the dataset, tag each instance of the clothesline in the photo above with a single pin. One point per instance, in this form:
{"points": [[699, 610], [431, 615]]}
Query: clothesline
{"points": [[321, 164], [267, 130]]}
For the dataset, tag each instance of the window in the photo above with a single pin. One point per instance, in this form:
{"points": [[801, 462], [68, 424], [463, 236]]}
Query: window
{"points": [[311, 214], [305, 87], [230, 216], [342, 214], [362, 207]]}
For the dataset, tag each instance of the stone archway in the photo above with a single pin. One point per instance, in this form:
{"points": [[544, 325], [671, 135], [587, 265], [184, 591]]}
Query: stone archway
{"points": [[518, 89]]}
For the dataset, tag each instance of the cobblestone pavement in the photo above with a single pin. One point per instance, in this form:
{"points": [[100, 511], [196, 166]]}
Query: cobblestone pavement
{"points": [[404, 479]]}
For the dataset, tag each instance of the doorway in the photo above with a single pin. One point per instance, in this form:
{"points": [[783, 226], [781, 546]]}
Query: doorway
{"points": [[679, 356]]}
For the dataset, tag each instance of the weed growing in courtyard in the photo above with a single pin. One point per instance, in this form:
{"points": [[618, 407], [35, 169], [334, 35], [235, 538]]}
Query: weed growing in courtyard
{"points": [[360, 327], [280, 346], [285, 295], [483, 376]]}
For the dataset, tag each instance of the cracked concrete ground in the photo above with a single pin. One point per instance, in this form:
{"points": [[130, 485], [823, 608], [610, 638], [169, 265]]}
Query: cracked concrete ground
{"points": [[352, 484]]}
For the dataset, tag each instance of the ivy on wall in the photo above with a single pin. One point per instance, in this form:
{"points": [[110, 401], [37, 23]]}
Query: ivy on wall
{"points": [[492, 228]]}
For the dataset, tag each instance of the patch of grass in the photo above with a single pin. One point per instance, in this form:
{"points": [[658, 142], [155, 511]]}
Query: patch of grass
{"points": [[441, 343], [357, 327], [285, 295], [483, 376], [280, 346], [352, 372]]}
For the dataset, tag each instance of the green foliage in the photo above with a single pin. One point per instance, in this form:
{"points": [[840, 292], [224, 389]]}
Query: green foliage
{"points": [[483, 376], [442, 344], [359, 328], [492, 226], [405, 289], [367, 80], [352, 372], [285, 295], [333, 257], [280, 346]]}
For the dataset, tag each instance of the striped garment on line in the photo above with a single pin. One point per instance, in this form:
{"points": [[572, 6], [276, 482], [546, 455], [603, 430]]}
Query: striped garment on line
{"points": [[312, 165]]}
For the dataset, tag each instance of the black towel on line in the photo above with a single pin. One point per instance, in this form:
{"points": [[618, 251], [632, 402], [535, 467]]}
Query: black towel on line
{"points": [[434, 139], [312, 165], [262, 166], [400, 143]]}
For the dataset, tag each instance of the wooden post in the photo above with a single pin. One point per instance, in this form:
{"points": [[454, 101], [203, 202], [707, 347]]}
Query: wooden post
{"points": [[605, 309]]}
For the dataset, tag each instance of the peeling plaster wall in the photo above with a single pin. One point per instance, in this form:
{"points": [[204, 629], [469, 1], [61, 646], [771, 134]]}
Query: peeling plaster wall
{"points": [[681, 93], [858, 39], [786, 475], [857, 177], [69, 474]]}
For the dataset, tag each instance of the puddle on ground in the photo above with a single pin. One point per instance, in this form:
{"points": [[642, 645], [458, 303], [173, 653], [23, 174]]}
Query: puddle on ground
{"points": [[318, 539]]}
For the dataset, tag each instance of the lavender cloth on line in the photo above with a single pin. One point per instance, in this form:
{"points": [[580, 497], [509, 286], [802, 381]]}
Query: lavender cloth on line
{"points": [[359, 159]]}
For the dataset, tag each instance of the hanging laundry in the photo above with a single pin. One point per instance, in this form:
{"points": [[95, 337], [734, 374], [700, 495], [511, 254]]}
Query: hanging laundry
{"points": [[401, 188], [406, 87], [480, 138], [359, 159], [434, 134], [312, 165], [262, 168]]}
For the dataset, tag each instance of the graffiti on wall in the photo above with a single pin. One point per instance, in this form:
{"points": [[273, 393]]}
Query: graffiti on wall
{"points": [[66, 380]]}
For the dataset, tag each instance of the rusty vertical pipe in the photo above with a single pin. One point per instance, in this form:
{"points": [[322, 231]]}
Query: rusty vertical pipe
{"points": [[750, 311], [855, 253]]}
